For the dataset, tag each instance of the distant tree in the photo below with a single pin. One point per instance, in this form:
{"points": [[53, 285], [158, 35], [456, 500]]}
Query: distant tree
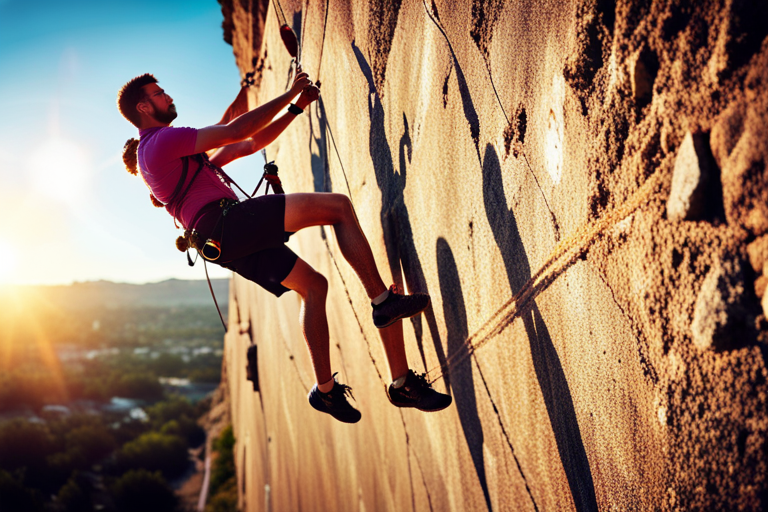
{"points": [[94, 441], [141, 490], [169, 365], [171, 409], [62, 464], [186, 428], [156, 452], [14, 497], [225, 499], [143, 386], [210, 375], [129, 430], [223, 486], [73, 496], [224, 465], [24, 444]]}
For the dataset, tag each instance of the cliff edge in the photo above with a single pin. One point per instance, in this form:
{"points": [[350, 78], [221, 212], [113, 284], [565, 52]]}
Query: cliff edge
{"points": [[581, 186]]}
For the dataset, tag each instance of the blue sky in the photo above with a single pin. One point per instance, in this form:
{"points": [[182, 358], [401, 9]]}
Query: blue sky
{"points": [[69, 211]]}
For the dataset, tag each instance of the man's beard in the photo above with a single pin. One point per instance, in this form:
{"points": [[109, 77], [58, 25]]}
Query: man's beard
{"points": [[167, 116]]}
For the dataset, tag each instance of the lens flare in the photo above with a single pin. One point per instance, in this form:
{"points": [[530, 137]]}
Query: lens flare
{"points": [[8, 261], [60, 170]]}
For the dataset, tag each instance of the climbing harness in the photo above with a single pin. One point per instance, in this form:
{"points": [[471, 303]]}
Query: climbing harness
{"points": [[211, 248]]}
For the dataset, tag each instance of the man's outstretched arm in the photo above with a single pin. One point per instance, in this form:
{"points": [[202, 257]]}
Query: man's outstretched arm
{"points": [[246, 125], [238, 107], [266, 136]]}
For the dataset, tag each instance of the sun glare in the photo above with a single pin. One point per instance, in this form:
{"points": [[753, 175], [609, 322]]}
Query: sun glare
{"points": [[60, 170], [7, 261]]}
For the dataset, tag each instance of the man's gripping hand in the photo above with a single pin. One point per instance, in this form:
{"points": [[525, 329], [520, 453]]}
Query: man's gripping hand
{"points": [[300, 82], [251, 122], [308, 95]]}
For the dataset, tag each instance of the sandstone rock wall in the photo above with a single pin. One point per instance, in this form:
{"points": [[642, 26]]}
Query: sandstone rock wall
{"points": [[581, 186]]}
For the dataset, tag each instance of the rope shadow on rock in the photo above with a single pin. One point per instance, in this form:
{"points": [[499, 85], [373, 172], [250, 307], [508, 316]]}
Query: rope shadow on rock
{"points": [[546, 362], [319, 162], [395, 219]]}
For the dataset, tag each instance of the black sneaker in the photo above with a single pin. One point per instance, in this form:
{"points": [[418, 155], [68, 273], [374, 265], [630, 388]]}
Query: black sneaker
{"points": [[335, 402], [398, 306], [418, 393]]}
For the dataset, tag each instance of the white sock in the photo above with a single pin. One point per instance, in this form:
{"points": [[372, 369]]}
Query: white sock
{"points": [[399, 382], [381, 298]]}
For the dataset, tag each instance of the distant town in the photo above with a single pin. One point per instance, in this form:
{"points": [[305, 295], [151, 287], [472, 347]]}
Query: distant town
{"points": [[101, 388]]}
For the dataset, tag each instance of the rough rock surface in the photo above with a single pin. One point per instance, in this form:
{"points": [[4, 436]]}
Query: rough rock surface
{"points": [[485, 143]]}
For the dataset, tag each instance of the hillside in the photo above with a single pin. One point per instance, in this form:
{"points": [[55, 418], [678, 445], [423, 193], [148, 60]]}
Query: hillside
{"points": [[90, 294]]}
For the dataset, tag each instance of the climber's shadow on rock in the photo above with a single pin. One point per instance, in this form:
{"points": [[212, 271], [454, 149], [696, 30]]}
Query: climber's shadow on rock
{"points": [[455, 315], [395, 219], [546, 362], [319, 162]]}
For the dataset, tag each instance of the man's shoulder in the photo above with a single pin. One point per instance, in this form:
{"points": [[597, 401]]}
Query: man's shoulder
{"points": [[168, 142], [165, 134]]}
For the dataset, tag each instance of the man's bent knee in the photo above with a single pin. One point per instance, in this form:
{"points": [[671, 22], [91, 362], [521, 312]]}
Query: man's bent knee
{"points": [[342, 208], [313, 285], [318, 285], [305, 280]]}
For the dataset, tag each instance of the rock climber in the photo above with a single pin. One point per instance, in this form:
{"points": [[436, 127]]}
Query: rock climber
{"points": [[182, 168]]}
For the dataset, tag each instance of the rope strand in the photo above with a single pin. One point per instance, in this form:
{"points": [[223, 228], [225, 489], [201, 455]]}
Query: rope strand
{"points": [[565, 254], [279, 12]]}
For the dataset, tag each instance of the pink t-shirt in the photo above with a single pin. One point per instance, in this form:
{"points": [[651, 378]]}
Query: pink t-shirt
{"points": [[160, 153]]}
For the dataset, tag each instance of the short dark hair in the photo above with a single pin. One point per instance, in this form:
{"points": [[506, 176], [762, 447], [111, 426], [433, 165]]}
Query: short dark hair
{"points": [[131, 94]]}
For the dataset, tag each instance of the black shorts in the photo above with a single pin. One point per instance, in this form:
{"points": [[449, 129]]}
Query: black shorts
{"points": [[252, 236]]}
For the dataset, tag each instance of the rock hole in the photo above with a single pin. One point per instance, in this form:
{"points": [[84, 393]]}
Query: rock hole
{"points": [[514, 133], [608, 10], [522, 123], [592, 23], [745, 33], [741, 442], [674, 23], [677, 258], [643, 76]]}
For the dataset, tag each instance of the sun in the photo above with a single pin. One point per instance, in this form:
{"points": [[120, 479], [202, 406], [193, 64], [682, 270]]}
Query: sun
{"points": [[8, 261]]}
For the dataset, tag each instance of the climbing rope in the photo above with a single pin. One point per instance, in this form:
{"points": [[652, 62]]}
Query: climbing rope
{"points": [[322, 42], [564, 255], [279, 12], [503, 111]]}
